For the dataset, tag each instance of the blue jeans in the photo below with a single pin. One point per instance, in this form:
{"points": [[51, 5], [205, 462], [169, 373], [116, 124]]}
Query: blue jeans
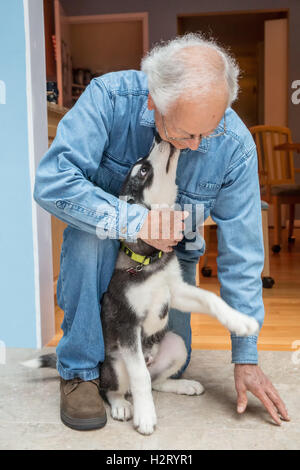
{"points": [[87, 265]]}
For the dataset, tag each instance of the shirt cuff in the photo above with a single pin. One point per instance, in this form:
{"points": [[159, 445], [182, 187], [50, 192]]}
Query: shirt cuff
{"points": [[131, 219], [244, 349]]}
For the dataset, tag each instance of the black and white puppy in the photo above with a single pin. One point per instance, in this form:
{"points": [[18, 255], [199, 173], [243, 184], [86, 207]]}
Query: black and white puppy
{"points": [[140, 353]]}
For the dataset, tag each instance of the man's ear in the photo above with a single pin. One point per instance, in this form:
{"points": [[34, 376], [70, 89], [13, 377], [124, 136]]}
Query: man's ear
{"points": [[151, 104]]}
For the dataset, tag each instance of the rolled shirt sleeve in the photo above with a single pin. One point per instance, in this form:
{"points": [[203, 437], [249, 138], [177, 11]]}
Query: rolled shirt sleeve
{"points": [[63, 183], [237, 213]]}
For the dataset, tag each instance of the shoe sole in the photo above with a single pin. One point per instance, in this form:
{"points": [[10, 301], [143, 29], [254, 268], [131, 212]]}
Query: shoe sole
{"points": [[83, 424]]}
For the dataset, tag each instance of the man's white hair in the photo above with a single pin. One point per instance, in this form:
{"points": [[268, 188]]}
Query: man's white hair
{"points": [[189, 66]]}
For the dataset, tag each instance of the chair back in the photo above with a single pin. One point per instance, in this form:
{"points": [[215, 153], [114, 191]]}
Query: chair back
{"points": [[275, 167]]}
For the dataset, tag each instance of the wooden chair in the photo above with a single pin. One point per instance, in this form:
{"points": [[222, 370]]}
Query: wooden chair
{"points": [[276, 175]]}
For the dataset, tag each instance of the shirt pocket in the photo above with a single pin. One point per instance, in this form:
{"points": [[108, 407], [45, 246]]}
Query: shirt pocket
{"points": [[202, 198], [112, 174]]}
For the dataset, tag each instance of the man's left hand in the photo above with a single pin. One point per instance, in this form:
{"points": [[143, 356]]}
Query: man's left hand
{"points": [[250, 377]]}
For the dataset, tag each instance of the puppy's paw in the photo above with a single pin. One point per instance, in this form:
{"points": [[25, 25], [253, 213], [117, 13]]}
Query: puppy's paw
{"points": [[243, 325], [121, 410], [180, 386], [144, 419], [188, 387], [252, 326]]}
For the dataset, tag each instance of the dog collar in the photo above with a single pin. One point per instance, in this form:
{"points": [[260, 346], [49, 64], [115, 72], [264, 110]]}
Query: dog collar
{"points": [[143, 260]]}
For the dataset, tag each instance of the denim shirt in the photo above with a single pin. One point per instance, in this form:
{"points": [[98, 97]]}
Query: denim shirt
{"points": [[79, 178]]}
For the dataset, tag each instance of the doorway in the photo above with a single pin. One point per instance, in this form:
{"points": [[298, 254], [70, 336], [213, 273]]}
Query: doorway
{"points": [[259, 42], [90, 46], [244, 33]]}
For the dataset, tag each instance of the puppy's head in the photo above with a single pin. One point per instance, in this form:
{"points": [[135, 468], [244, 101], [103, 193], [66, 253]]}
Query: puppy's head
{"points": [[151, 180]]}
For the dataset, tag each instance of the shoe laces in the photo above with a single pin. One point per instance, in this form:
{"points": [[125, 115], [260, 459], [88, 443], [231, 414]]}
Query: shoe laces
{"points": [[78, 380]]}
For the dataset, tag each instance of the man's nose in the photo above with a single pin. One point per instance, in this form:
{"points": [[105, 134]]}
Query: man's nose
{"points": [[194, 143]]}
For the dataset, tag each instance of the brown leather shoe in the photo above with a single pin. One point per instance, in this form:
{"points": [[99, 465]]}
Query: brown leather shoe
{"points": [[81, 406]]}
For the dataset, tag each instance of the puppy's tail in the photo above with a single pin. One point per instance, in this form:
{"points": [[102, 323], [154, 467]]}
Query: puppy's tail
{"points": [[47, 360]]}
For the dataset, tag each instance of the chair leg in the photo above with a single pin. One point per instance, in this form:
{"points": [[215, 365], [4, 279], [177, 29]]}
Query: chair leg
{"points": [[206, 270], [267, 281], [291, 223], [266, 270], [277, 224]]}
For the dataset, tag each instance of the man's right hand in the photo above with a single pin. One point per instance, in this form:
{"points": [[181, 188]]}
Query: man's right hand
{"points": [[163, 229]]}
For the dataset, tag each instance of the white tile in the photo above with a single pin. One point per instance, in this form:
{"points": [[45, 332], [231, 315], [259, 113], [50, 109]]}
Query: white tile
{"points": [[29, 410]]}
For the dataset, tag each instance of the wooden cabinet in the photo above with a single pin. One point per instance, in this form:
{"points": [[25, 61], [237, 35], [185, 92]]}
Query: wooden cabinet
{"points": [[55, 114]]}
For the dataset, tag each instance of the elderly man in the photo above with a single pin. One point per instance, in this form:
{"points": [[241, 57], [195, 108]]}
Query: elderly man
{"points": [[184, 93]]}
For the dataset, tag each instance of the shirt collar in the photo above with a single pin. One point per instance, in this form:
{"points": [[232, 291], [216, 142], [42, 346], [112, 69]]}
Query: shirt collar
{"points": [[147, 119], [147, 116]]}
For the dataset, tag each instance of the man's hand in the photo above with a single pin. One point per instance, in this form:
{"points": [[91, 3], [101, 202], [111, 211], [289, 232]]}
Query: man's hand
{"points": [[163, 228], [250, 377]]}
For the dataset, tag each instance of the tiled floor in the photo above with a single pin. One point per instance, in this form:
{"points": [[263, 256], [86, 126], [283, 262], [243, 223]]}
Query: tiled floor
{"points": [[29, 410]]}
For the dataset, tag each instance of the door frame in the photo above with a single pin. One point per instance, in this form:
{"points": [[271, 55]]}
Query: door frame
{"points": [[37, 130]]}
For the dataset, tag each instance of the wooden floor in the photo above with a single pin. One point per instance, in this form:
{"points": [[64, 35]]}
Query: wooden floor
{"points": [[282, 304]]}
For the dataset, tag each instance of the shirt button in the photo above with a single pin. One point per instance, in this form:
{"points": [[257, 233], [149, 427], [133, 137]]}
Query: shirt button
{"points": [[123, 230]]}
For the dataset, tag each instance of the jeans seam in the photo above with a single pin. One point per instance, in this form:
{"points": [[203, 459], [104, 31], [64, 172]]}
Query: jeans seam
{"points": [[62, 285], [98, 303]]}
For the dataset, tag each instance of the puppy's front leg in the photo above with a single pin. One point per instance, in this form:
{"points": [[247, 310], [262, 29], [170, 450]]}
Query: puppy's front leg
{"points": [[144, 415], [188, 298]]}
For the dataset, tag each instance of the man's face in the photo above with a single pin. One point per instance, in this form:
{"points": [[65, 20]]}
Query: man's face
{"points": [[189, 120]]}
